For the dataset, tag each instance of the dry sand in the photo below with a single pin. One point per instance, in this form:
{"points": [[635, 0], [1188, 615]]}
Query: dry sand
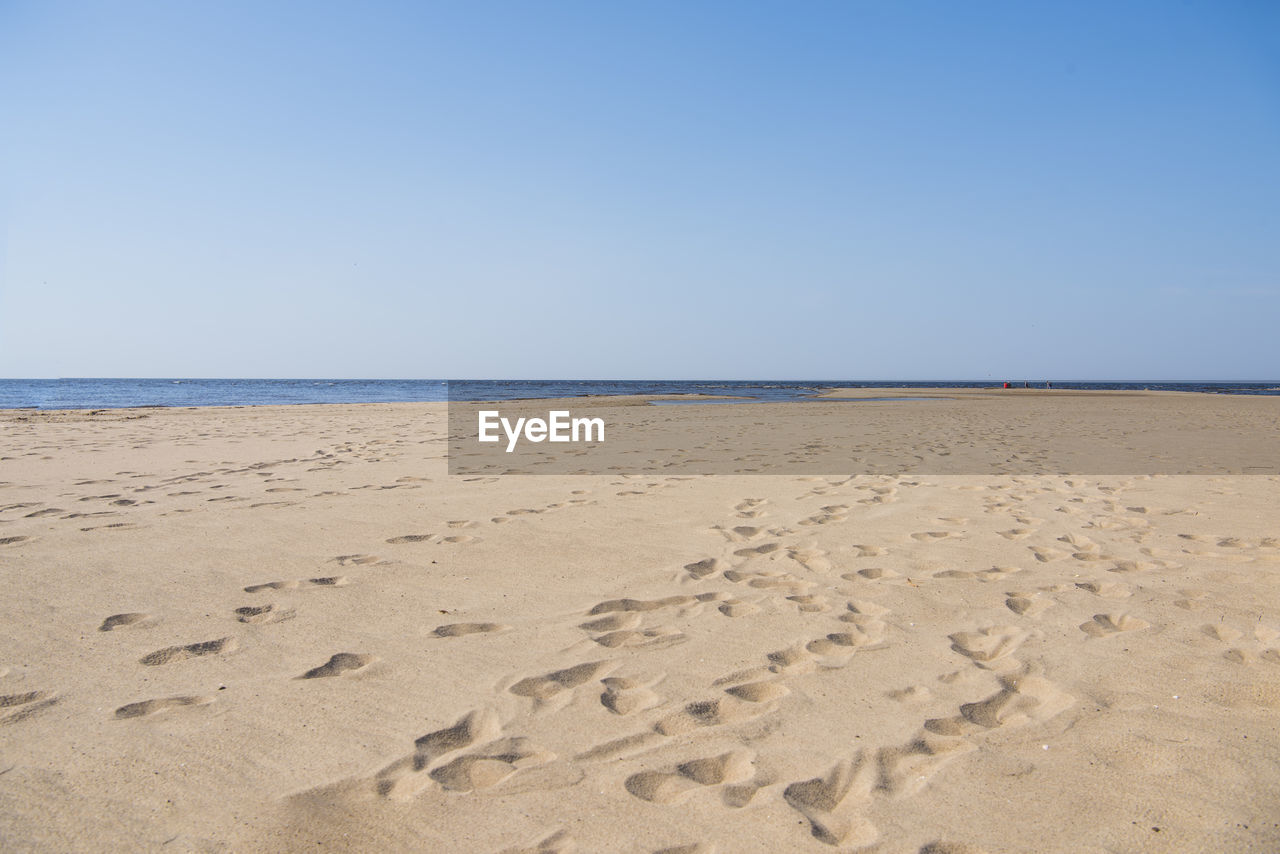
{"points": [[287, 628]]}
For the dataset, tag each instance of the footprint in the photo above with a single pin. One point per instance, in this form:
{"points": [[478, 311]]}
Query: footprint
{"points": [[628, 696], [410, 538], [327, 581], [1022, 700], [657, 636], [8, 701], [120, 621], [871, 573], [263, 614], [28, 704], [151, 707], [759, 692], [704, 568], [1105, 625], [490, 765], [1106, 589], [545, 687], [403, 778], [1226, 634], [756, 551], [865, 608], [171, 654], [1046, 555], [906, 770], [1026, 604], [809, 604], [829, 803], [354, 560], [707, 713], [738, 608], [989, 644], [343, 662], [669, 787], [613, 622], [795, 658], [456, 630]]}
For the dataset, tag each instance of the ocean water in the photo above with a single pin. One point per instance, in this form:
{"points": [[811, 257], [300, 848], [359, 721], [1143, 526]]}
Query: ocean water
{"points": [[120, 393]]}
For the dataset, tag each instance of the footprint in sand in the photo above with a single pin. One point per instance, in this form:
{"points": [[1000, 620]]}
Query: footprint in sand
{"points": [[1105, 625], [1106, 589], [1026, 604], [769, 580], [327, 581], [613, 622], [867, 632], [1220, 632], [738, 608], [151, 707], [628, 696], [708, 713], [810, 604], [814, 560], [656, 636], [264, 614], [337, 665], [670, 787], [930, 536], [705, 568], [457, 630], [871, 573], [988, 645], [354, 560], [28, 704], [1047, 554], [490, 765], [830, 803], [611, 605], [172, 654], [757, 551], [405, 777], [759, 692], [1021, 700], [547, 686], [133, 619], [410, 538], [907, 769]]}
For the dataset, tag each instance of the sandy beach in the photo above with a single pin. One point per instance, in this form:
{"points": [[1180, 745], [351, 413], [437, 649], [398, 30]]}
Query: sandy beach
{"points": [[289, 628]]}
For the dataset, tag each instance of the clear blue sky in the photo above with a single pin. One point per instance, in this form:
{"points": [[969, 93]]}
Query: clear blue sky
{"points": [[894, 190]]}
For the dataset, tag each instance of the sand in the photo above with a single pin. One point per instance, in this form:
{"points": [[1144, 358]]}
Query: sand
{"points": [[288, 628]]}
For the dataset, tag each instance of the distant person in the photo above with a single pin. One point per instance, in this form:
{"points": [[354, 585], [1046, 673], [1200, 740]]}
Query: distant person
{"points": [[1026, 384], [1048, 384], [1006, 385]]}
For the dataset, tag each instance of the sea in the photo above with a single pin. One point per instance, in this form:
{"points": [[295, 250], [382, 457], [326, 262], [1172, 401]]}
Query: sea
{"points": [[127, 393]]}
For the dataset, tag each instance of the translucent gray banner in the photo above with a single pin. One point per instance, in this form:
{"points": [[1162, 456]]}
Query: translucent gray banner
{"points": [[907, 431]]}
